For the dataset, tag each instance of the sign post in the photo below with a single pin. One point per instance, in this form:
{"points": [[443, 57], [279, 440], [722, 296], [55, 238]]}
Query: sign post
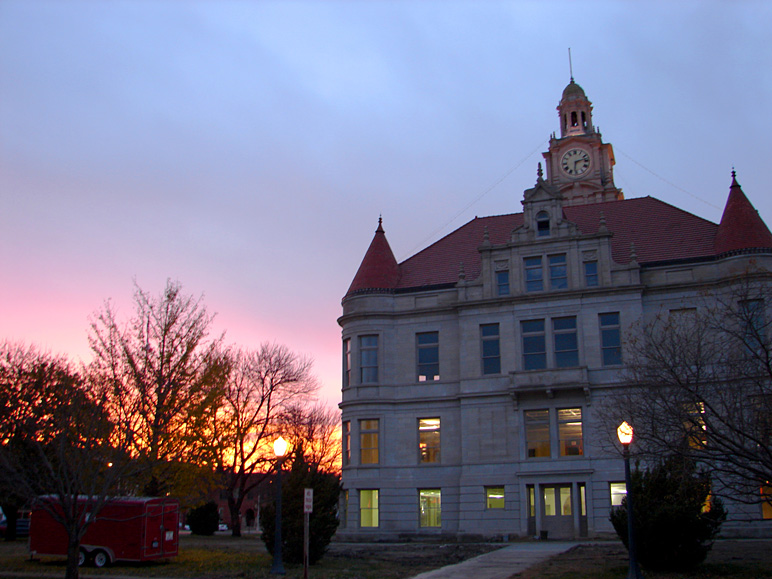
{"points": [[308, 508]]}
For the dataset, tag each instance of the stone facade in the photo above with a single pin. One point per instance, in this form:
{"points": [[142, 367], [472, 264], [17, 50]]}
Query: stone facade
{"points": [[471, 371]]}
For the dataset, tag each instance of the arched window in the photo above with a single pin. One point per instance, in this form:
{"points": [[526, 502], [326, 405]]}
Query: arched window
{"points": [[574, 119], [542, 224]]}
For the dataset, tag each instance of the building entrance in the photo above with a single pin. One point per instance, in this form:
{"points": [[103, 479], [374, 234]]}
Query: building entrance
{"points": [[557, 511]]}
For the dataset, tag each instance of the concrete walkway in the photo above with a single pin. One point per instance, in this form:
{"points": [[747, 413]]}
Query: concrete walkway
{"points": [[502, 563]]}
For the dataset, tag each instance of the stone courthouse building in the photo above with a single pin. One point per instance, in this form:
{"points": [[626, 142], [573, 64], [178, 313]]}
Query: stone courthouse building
{"points": [[471, 369]]}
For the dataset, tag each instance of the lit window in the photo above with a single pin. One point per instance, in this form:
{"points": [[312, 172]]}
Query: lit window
{"points": [[542, 224], [766, 506], [429, 439], [368, 508], [591, 273], [494, 497], [533, 274], [558, 272], [570, 432], [537, 433], [428, 345], [368, 441], [430, 506], [610, 339], [550, 506], [346, 442], [566, 343], [491, 351], [368, 359], [618, 492], [502, 283], [346, 363], [534, 345]]}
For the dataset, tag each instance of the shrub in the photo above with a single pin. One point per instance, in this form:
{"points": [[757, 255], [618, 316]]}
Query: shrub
{"points": [[204, 520], [323, 522], [675, 518]]}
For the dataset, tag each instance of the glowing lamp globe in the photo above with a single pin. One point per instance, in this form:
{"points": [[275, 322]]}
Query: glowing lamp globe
{"points": [[625, 433], [280, 447]]}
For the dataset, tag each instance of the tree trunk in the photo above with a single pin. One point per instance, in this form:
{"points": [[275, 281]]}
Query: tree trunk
{"points": [[73, 552], [234, 506]]}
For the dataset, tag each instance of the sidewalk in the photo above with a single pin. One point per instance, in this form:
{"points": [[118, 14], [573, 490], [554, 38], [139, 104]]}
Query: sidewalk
{"points": [[503, 563]]}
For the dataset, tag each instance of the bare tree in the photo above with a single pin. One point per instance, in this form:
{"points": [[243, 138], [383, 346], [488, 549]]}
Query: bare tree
{"points": [[160, 372], [242, 425], [701, 386], [315, 428], [57, 442]]}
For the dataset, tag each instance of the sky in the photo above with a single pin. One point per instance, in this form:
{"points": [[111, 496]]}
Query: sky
{"points": [[247, 148]]}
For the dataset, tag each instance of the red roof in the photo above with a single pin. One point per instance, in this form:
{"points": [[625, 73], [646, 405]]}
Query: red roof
{"points": [[658, 231], [741, 227], [379, 269]]}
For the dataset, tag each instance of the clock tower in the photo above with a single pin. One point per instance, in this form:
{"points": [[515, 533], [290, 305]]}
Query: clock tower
{"points": [[579, 164]]}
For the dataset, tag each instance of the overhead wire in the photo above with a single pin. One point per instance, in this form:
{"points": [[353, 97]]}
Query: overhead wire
{"points": [[490, 188]]}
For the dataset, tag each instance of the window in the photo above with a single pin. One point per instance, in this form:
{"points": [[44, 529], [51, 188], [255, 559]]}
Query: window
{"points": [[766, 506], [753, 317], [542, 224], [429, 439], [558, 271], [591, 273], [610, 339], [368, 359], [566, 344], [346, 363], [502, 283], [368, 441], [534, 345], [428, 344], [490, 347], [618, 491], [533, 274], [344, 510], [368, 508], [494, 497], [694, 425], [537, 433], [346, 442], [570, 432], [430, 507]]}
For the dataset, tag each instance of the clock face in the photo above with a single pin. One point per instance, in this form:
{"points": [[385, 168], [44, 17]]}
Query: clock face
{"points": [[575, 162]]}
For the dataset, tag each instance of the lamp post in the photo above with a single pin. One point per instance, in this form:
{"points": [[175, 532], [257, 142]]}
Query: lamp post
{"points": [[279, 449], [625, 435]]}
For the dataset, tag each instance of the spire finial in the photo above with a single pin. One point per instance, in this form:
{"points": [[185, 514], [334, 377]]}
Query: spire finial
{"points": [[380, 223], [539, 173], [570, 65]]}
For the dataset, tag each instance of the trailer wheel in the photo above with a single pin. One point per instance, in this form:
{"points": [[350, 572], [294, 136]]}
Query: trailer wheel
{"points": [[82, 555], [100, 558]]}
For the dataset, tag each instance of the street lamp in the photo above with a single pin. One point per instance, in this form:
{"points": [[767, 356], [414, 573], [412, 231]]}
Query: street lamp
{"points": [[279, 449], [625, 435]]}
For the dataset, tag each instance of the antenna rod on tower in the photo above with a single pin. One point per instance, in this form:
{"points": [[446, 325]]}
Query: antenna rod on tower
{"points": [[570, 65]]}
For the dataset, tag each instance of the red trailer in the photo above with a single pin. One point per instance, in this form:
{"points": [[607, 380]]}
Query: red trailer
{"points": [[126, 529]]}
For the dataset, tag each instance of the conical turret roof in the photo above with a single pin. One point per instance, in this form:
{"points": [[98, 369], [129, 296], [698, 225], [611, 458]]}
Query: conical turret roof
{"points": [[379, 270], [741, 227]]}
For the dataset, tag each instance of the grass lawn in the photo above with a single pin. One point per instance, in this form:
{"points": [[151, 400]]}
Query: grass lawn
{"points": [[225, 557]]}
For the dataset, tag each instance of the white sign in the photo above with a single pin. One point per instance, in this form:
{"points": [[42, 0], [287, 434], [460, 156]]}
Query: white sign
{"points": [[308, 502]]}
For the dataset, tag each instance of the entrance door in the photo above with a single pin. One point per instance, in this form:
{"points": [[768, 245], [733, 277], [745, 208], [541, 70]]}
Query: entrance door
{"points": [[557, 512], [561, 516]]}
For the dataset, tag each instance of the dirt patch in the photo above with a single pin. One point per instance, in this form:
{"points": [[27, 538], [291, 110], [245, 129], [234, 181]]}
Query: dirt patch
{"points": [[750, 559]]}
